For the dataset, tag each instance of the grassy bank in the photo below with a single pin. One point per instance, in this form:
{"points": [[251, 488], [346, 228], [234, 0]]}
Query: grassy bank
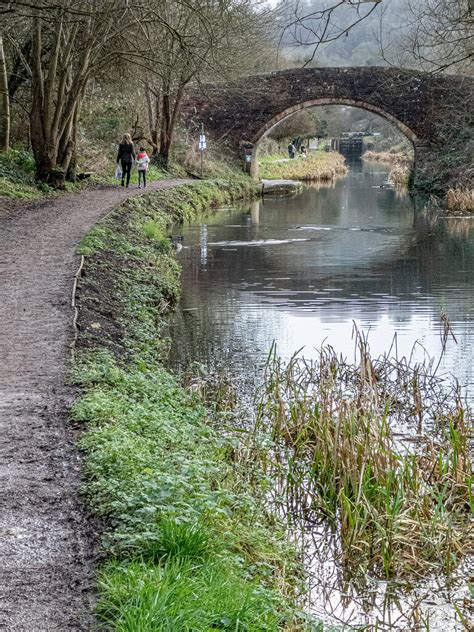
{"points": [[318, 165], [189, 543]]}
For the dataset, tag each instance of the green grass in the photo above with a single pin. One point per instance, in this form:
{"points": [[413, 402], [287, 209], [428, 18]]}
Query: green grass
{"points": [[183, 594], [189, 546], [190, 543]]}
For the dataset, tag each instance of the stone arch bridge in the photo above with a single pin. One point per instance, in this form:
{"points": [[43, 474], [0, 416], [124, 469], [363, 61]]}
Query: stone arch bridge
{"points": [[433, 111]]}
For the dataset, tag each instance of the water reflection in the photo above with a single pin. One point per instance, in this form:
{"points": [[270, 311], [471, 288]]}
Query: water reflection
{"points": [[335, 597], [299, 270]]}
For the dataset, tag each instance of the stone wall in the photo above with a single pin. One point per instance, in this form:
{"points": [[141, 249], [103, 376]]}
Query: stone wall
{"points": [[433, 111]]}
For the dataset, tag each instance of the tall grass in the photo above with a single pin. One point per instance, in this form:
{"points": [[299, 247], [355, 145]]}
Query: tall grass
{"points": [[400, 174], [460, 200], [401, 165], [318, 166], [381, 450]]}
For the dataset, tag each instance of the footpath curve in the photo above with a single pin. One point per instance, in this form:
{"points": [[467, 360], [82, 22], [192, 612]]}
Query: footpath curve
{"points": [[46, 540]]}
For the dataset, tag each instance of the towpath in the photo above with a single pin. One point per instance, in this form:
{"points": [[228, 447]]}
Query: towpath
{"points": [[46, 541]]}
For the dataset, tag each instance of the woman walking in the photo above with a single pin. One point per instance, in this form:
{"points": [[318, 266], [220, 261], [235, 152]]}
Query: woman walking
{"points": [[126, 156]]}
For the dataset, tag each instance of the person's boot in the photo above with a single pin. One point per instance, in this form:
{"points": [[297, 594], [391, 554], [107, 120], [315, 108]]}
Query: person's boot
{"points": [[123, 182]]}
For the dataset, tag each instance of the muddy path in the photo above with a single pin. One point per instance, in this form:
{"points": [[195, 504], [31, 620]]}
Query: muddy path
{"points": [[47, 557]]}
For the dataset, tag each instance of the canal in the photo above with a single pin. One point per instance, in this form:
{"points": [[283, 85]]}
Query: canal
{"points": [[300, 271]]}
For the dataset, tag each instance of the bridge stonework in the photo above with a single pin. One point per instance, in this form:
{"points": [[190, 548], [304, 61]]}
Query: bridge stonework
{"points": [[433, 111]]}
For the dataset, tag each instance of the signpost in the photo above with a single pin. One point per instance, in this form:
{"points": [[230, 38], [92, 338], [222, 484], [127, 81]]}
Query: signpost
{"points": [[202, 145]]}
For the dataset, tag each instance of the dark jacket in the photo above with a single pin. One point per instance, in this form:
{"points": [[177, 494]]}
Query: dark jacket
{"points": [[126, 152]]}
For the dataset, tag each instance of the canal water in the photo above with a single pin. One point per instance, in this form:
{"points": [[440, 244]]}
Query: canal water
{"points": [[300, 271]]}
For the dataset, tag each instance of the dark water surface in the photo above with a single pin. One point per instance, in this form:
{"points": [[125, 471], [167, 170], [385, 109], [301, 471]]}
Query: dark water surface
{"points": [[299, 271]]}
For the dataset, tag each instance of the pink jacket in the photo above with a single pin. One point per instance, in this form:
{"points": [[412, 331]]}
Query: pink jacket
{"points": [[142, 161]]}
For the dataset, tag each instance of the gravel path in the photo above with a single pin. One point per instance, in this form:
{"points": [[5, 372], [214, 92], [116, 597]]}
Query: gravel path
{"points": [[46, 537]]}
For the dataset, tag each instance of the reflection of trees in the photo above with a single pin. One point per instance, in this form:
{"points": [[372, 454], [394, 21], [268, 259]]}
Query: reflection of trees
{"points": [[393, 261]]}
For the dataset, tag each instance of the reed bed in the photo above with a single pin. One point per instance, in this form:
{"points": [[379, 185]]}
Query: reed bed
{"points": [[400, 174], [401, 165], [393, 157], [317, 166], [460, 200], [380, 449]]}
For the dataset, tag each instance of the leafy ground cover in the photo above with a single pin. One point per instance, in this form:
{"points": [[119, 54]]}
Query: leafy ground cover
{"points": [[319, 165], [17, 176], [189, 543]]}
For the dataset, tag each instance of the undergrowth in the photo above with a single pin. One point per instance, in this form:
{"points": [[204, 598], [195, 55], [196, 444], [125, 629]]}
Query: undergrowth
{"points": [[17, 176], [190, 544]]}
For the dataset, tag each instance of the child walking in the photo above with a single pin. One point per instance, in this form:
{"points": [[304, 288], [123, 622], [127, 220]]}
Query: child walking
{"points": [[142, 166]]}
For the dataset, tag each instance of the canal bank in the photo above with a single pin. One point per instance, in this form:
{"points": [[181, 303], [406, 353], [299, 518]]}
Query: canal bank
{"points": [[190, 543]]}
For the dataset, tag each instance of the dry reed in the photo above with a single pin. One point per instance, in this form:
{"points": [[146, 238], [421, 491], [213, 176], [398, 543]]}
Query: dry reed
{"points": [[318, 166], [460, 200], [380, 449]]}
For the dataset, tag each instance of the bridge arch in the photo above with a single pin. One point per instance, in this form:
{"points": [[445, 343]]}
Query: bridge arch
{"points": [[430, 110], [363, 105]]}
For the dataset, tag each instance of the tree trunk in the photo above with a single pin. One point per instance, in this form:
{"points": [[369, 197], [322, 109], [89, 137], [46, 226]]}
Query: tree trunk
{"points": [[57, 96], [163, 154], [153, 107], [4, 102], [67, 157], [168, 125]]}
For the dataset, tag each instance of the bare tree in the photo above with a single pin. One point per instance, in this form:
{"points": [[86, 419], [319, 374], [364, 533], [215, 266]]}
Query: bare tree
{"points": [[442, 34], [312, 23], [192, 42], [168, 43], [67, 48], [70, 41], [431, 35]]}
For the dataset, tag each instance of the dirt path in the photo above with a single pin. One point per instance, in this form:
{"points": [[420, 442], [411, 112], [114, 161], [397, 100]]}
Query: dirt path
{"points": [[46, 543]]}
